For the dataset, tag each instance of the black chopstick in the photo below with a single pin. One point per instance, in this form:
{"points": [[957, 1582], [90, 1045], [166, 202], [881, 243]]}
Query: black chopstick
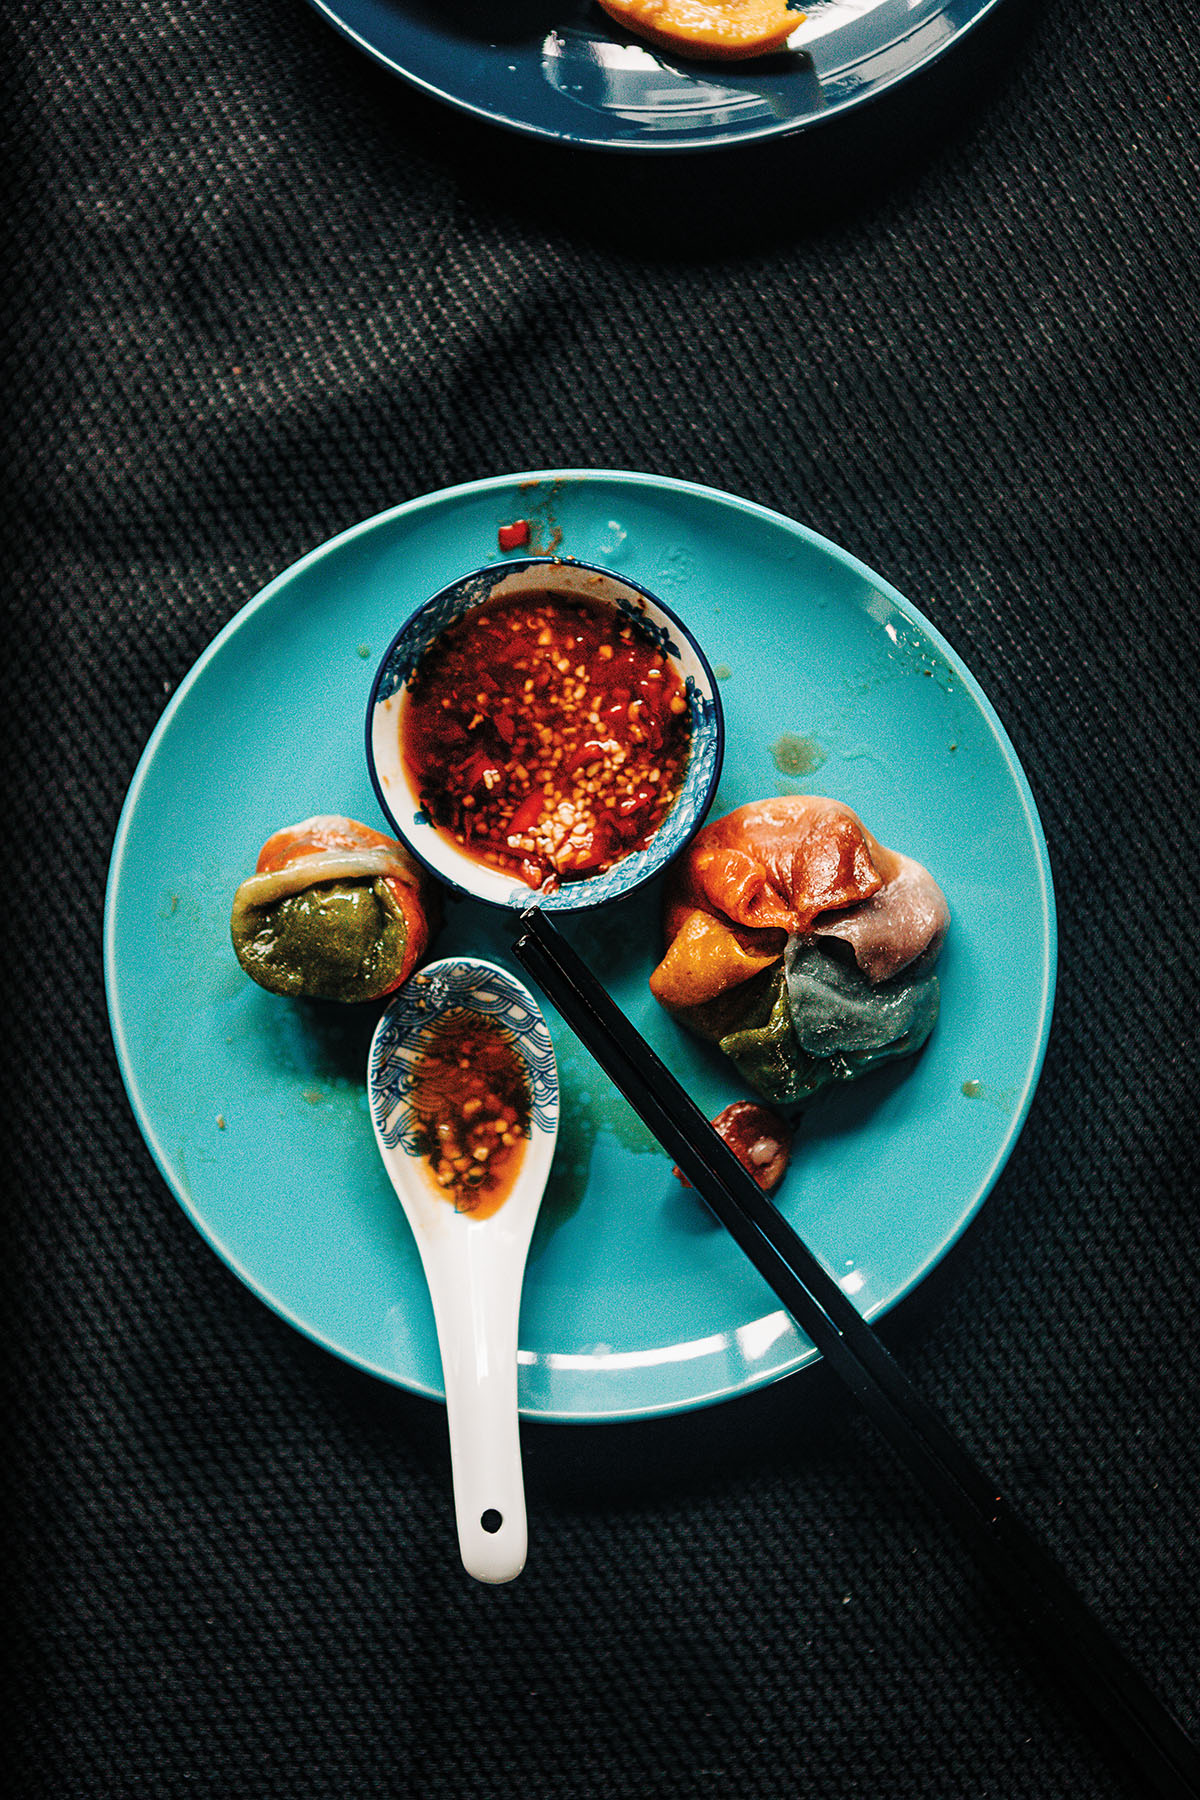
{"points": [[1079, 1647]]}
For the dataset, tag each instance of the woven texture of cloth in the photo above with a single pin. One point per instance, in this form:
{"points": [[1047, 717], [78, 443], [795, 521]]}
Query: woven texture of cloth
{"points": [[256, 290]]}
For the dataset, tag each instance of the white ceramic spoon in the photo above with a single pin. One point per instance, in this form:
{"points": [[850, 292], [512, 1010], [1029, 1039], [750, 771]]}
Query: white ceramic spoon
{"points": [[474, 1267]]}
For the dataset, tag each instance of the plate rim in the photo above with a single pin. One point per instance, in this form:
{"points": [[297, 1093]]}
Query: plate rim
{"points": [[807, 1356], [661, 143]]}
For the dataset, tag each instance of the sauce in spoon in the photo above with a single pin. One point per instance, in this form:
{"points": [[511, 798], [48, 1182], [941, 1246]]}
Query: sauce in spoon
{"points": [[471, 1097]]}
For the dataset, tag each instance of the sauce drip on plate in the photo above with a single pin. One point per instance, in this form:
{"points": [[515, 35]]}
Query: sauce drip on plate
{"points": [[546, 736], [471, 1097]]}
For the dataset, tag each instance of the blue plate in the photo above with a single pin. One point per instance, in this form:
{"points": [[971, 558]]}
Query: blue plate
{"points": [[563, 69], [255, 1107]]}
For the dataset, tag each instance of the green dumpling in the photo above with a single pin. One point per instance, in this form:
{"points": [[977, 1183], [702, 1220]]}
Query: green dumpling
{"points": [[334, 910], [340, 940]]}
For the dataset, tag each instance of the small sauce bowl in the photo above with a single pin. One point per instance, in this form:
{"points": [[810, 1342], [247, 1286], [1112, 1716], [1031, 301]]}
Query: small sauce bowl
{"points": [[642, 629]]}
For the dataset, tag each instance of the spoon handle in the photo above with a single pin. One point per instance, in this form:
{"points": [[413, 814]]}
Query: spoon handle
{"points": [[476, 1307]]}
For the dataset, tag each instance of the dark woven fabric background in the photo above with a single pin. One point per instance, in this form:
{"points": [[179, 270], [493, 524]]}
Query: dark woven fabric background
{"points": [[256, 290]]}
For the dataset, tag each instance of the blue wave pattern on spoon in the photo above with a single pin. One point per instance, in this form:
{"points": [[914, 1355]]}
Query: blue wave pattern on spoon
{"points": [[398, 1043]]}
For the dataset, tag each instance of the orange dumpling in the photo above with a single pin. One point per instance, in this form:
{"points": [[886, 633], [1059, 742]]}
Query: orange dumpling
{"points": [[789, 866], [711, 30]]}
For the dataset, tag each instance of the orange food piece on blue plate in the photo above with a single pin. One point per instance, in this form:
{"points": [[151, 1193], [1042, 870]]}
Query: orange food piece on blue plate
{"points": [[713, 30]]}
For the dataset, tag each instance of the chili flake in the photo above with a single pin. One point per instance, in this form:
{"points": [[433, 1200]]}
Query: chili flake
{"points": [[547, 736]]}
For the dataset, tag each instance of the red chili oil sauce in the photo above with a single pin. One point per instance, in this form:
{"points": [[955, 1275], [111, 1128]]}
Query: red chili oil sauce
{"points": [[546, 736], [471, 1096]]}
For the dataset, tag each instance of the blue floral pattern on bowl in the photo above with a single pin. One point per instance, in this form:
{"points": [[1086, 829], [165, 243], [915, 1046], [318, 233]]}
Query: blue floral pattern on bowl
{"points": [[453, 985], [428, 623], [654, 621]]}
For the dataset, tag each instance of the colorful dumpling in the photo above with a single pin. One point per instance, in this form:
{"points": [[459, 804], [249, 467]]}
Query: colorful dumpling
{"points": [[334, 911], [801, 945]]}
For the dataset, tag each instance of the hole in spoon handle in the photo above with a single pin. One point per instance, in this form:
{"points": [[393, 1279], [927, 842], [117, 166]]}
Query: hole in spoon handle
{"points": [[492, 1538]]}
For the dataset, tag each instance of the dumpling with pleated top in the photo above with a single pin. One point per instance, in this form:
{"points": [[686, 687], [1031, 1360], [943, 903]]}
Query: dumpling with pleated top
{"points": [[801, 945]]}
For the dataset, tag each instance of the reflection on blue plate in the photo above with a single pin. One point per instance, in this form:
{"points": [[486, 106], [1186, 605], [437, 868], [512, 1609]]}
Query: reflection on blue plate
{"points": [[563, 69], [635, 1303]]}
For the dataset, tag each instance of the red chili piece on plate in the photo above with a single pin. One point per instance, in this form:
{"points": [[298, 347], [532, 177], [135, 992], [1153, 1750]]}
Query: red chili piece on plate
{"points": [[513, 536]]}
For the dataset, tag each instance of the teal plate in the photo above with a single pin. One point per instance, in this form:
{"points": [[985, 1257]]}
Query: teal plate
{"points": [[635, 1302]]}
